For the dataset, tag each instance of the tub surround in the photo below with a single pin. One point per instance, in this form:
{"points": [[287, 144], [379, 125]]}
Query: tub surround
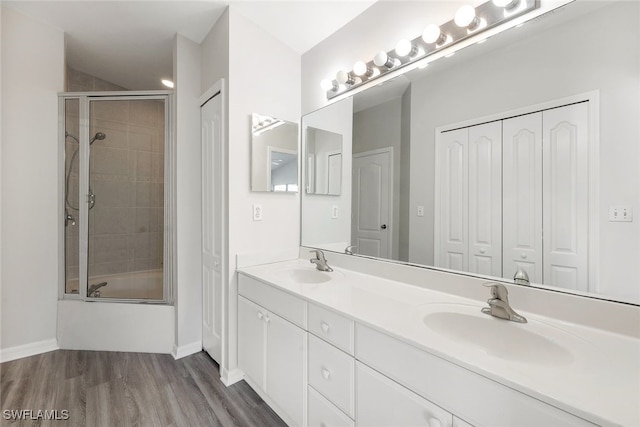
{"points": [[597, 379]]}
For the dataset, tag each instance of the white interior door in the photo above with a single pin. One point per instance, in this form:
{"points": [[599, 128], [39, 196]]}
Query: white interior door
{"points": [[565, 179], [452, 227], [372, 198], [485, 199], [212, 226], [522, 192]]}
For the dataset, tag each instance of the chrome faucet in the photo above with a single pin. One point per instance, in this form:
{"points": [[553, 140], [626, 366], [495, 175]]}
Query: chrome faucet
{"points": [[499, 304], [521, 278], [350, 250], [320, 261], [93, 291]]}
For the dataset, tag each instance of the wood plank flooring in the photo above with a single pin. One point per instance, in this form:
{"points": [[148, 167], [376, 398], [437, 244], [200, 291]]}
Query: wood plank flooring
{"points": [[128, 389]]}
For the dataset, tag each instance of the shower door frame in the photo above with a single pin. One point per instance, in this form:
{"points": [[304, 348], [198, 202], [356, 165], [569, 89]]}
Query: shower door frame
{"points": [[168, 268]]}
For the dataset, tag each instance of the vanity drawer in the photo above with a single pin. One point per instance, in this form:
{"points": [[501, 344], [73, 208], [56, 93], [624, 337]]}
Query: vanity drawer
{"points": [[332, 327], [323, 413], [466, 394], [331, 372], [281, 303], [385, 403]]}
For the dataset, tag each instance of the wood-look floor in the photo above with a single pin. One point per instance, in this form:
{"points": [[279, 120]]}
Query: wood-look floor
{"points": [[128, 389]]}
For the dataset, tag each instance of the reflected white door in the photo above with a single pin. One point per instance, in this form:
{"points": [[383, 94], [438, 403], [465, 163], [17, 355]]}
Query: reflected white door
{"points": [[452, 227], [565, 178], [485, 199], [212, 226], [372, 183], [522, 193]]}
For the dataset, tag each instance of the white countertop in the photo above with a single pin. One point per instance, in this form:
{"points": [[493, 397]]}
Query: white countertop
{"points": [[600, 382]]}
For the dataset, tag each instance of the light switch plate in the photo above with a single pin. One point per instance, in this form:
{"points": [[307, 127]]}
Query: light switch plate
{"points": [[620, 214], [420, 210], [334, 211]]}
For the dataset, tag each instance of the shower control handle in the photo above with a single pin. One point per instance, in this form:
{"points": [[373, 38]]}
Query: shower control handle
{"points": [[91, 199]]}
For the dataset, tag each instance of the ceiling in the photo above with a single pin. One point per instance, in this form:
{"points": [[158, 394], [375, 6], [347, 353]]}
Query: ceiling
{"points": [[130, 43]]}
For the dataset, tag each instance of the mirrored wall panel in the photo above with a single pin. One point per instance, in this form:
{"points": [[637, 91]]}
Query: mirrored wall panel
{"points": [[517, 156], [274, 154]]}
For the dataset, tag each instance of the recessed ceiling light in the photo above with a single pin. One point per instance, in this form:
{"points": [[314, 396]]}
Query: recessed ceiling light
{"points": [[167, 83]]}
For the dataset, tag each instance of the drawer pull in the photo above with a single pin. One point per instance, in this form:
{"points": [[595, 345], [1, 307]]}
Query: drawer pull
{"points": [[260, 315], [326, 374], [324, 326]]}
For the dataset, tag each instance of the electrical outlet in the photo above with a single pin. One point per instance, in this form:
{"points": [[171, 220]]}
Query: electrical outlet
{"points": [[620, 214], [257, 212], [420, 210], [334, 211]]}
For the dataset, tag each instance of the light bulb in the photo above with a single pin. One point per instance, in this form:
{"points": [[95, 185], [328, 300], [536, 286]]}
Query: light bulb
{"points": [[168, 83], [433, 34], [465, 17], [404, 48], [360, 69], [383, 60], [327, 85], [345, 78]]}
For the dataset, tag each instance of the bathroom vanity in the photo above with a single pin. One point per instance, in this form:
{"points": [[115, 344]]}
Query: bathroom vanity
{"points": [[346, 348]]}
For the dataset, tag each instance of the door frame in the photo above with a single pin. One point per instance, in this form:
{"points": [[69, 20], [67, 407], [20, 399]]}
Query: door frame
{"points": [[390, 219], [593, 99]]}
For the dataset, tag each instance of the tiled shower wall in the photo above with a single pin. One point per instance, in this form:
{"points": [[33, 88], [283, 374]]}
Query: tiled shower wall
{"points": [[127, 178]]}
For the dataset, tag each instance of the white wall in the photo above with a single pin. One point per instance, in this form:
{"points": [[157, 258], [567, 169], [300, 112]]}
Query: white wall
{"points": [[32, 75], [580, 59], [264, 77], [188, 302], [320, 229]]}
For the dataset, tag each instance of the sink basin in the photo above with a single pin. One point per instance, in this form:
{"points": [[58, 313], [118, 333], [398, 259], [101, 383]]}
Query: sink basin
{"points": [[534, 342], [306, 275]]}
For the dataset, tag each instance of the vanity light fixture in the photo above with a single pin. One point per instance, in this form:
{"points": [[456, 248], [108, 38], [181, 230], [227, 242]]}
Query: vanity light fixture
{"points": [[468, 22]]}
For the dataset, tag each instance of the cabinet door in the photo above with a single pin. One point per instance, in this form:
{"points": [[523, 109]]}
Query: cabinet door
{"points": [[522, 193], [383, 402], [485, 199], [452, 223], [251, 340], [286, 379]]}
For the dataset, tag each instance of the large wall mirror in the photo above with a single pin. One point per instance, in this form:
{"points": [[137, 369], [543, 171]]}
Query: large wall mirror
{"points": [[274, 154], [521, 153]]}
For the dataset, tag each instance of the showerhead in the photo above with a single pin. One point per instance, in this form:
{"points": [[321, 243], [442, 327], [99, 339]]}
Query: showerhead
{"points": [[99, 136]]}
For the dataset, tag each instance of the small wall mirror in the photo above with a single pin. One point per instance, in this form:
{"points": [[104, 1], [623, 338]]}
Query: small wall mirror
{"points": [[274, 154], [323, 162]]}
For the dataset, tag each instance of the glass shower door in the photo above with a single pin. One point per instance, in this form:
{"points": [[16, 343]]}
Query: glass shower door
{"points": [[71, 195]]}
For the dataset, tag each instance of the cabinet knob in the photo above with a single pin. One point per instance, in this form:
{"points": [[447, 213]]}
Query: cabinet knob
{"points": [[326, 374], [523, 255], [260, 315], [434, 422], [324, 326], [482, 250], [267, 319]]}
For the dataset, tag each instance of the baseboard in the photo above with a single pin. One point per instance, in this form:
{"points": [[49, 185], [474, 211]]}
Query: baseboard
{"points": [[186, 350], [26, 350], [231, 377]]}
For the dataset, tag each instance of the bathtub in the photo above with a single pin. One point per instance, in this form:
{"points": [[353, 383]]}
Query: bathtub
{"points": [[134, 285]]}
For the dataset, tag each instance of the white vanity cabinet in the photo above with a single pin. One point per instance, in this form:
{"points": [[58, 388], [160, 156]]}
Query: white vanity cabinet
{"points": [[272, 351]]}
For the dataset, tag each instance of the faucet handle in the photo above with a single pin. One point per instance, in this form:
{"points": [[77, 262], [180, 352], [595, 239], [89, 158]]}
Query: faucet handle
{"points": [[498, 290], [349, 250]]}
